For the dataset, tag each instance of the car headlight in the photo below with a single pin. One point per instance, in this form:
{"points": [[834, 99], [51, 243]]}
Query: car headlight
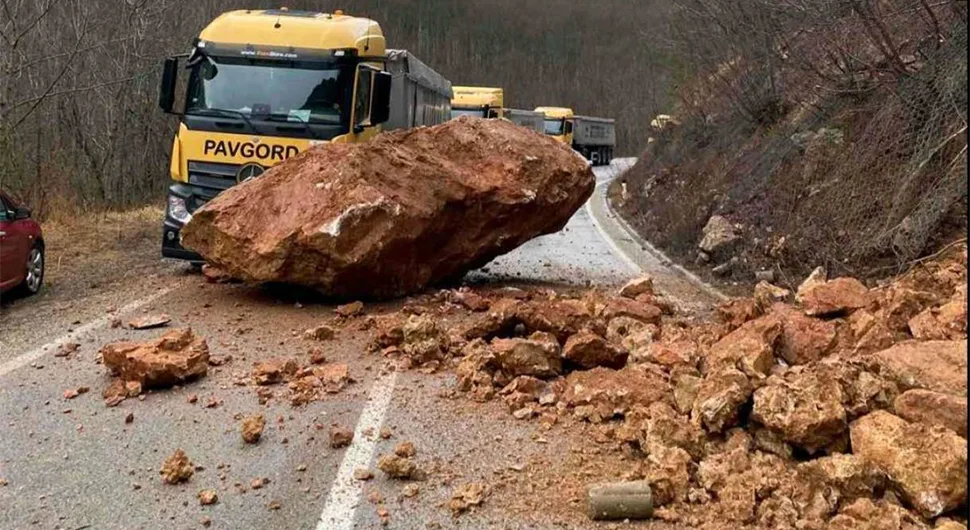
{"points": [[177, 209]]}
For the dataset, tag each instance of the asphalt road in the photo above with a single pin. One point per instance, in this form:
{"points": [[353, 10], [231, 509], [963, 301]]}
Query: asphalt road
{"points": [[76, 464]]}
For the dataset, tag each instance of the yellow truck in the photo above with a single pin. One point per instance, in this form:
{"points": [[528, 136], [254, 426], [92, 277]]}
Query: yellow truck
{"points": [[481, 102], [526, 118], [594, 138], [264, 85]]}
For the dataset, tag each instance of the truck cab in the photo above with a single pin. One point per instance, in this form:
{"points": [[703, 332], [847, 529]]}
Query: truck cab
{"points": [[558, 123], [481, 102], [264, 85]]}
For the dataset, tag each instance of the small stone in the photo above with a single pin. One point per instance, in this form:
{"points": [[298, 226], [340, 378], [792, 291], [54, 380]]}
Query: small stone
{"points": [[252, 428], [340, 437], [405, 450], [363, 473], [466, 496], [208, 497], [350, 310], [177, 468], [322, 332], [397, 467]]}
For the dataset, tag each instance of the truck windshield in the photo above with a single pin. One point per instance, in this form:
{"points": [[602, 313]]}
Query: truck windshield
{"points": [[478, 113], [297, 91], [554, 127]]}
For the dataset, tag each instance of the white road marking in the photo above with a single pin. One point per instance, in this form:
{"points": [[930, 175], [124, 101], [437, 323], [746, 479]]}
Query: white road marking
{"points": [[617, 251], [648, 247], [345, 492], [32, 355]]}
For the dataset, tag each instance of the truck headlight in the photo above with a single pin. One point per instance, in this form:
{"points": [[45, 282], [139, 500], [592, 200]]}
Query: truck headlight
{"points": [[177, 209]]}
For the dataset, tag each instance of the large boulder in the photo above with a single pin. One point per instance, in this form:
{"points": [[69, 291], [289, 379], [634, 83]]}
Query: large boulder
{"points": [[390, 216], [176, 356], [926, 465]]}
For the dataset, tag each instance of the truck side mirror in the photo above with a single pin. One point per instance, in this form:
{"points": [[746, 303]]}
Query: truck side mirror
{"points": [[569, 127], [381, 102], [166, 92]]}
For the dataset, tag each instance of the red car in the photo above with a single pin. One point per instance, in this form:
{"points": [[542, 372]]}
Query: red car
{"points": [[21, 249]]}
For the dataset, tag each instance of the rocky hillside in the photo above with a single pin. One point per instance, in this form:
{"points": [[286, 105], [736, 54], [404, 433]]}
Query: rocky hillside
{"points": [[816, 136]]}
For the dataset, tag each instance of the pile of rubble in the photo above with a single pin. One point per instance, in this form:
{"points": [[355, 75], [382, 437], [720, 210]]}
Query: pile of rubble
{"points": [[845, 409]]}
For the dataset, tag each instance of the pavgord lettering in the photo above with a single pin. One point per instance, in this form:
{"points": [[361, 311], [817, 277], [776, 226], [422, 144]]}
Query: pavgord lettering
{"points": [[249, 150]]}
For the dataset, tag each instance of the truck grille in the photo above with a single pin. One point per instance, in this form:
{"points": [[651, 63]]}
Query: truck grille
{"points": [[213, 175]]}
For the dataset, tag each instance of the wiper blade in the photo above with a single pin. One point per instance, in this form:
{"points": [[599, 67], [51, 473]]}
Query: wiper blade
{"points": [[286, 118], [223, 112]]}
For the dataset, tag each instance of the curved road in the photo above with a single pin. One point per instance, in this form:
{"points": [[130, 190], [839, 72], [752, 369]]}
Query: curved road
{"points": [[76, 464]]}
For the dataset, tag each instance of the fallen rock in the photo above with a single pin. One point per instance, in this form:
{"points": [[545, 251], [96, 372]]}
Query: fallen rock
{"points": [[208, 497], [670, 352], [321, 332], [600, 394], [738, 311], [215, 274], [340, 437], [866, 514], [389, 217], [927, 465], [933, 365], [66, 349], [766, 294], [833, 297], [352, 309], [638, 286], [175, 357], [466, 496], [720, 396], [718, 236], [397, 467], [901, 304], [177, 468], [589, 350], [750, 348], [405, 449], [824, 484], [803, 339], [274, 371], [804, 408], [424, 340], [947, 322], [933, 408], [537, 356], [624, 307], [150, 321], [252, 428], [817, 277]]}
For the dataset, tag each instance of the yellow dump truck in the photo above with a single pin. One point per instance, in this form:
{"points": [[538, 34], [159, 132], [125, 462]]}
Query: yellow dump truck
{"points": [[594, 138], [526, 118], [264, 85], [481, 102]]}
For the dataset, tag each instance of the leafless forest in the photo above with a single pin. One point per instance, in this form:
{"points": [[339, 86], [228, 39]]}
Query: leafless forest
{"points": [[79, 127]]}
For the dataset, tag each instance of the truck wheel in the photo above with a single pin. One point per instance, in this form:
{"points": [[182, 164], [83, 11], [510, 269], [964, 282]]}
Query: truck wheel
{"points": [[34, 279]]}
